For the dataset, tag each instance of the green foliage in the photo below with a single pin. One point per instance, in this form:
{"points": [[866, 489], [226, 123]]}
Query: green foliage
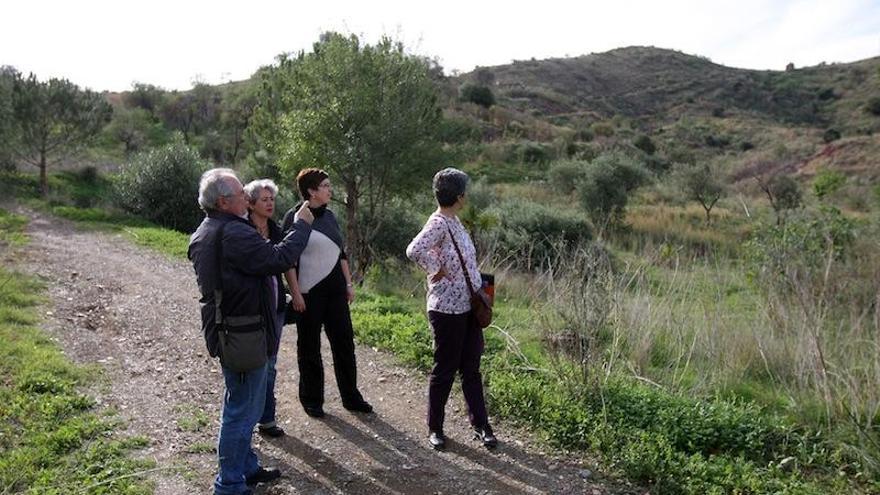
{"points": [[603, 129], [873, 106], [52, 440], [83, 188], [147, 97], [797, 252], [53, 118], [701, 183], [131, 127], [644, 143], [393, 234], [534, 153], [831, 134], [676, 444], [606, 185], [236, 111], [383, 322], [783, 192], [458, 130], [827, 182], [8, 130], [161, 186], [564, 175], [365, 113], [530, 234], [12, 229], [478, 94]]}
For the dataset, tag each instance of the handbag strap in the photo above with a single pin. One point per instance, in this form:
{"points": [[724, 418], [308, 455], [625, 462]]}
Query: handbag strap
{"points": [[467, 277]]}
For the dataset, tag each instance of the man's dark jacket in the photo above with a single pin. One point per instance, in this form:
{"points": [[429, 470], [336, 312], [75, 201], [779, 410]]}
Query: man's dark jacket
{"points": [[248, 261]]}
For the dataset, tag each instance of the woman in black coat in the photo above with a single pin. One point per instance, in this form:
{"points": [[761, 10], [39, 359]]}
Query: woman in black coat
{"points": [[322, 289]]}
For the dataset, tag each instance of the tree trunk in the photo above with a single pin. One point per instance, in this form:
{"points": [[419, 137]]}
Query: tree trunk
{"points": [[351, 206], [44, 179]]}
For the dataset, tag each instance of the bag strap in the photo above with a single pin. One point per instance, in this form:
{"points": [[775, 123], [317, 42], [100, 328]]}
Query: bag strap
{"points": [[218, 288], [467, 277]]}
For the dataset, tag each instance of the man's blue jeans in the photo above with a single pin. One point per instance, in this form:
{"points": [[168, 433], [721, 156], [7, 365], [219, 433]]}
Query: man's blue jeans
{"points": [[242, 407]]}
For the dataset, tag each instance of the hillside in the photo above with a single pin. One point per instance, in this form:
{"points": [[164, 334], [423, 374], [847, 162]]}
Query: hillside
{"points": [[657, 84]]}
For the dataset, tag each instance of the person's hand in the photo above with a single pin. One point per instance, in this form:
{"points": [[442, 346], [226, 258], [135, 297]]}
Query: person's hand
{"points": [[440, 275], [350, 293], [299, 304], [304, 213]]}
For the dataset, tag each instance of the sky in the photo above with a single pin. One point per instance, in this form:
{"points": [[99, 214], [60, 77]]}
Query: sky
{"points": [[109, 45]]}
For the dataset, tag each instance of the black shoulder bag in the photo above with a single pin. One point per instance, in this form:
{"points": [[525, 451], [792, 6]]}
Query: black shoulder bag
{"points": [[243, 342]]}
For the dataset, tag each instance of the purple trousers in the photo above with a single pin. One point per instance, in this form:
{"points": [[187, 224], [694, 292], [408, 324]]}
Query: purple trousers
{"points": [[458, 346]]}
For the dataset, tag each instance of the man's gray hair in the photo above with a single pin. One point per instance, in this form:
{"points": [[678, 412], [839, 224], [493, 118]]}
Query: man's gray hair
{"points": [[213, 185], [255, 187], [449, 184]]}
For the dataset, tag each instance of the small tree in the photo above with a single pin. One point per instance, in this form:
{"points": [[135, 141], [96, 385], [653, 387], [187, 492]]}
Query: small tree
{"points": [[53, 118], [8, 131], [606, 185], [367, 114], [481, 95], [131, 127], [236, 111], [146, 96], [701, 184], [827, 182], [783, 192]]}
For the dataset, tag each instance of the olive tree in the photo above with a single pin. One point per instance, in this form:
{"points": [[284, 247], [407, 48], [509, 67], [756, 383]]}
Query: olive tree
{"points": [[702, 184], [367, 114]]}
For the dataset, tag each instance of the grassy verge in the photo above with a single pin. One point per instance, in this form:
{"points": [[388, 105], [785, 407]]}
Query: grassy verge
{"points": [[675, 442], [52, 441], [166, 241]]}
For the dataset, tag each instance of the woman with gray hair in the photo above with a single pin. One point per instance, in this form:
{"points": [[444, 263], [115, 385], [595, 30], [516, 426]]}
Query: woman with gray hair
{"points": [[458, 339], [261, 205]]}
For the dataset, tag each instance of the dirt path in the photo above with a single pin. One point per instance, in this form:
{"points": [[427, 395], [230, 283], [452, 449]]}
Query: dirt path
{"points": [[135, 313]]}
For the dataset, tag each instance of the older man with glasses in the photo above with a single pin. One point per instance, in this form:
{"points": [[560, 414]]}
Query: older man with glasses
{"points": [[234, 266]]}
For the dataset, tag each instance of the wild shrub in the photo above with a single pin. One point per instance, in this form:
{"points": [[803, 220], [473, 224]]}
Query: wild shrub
{"points": [[644, 143], [831, 134], [606, 185], [827, 182], [161, 185], [873, 106], [531, 233], [565, 174], [478, 94]]}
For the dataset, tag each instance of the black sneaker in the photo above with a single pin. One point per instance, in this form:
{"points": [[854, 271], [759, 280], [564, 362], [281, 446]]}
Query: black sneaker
{"points": [[314, 411], [263, 475], [361, 406], [485, 435], [437, 440], [273, 431]]}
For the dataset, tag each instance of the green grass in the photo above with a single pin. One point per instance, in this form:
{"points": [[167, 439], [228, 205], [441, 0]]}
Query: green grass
{"points": [[169, 242], [679, 443], [12, 229], [52, 440]]}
